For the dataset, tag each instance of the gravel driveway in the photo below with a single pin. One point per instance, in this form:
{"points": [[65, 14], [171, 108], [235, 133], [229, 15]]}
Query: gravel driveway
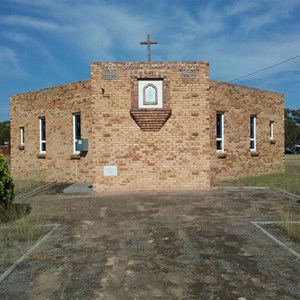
{"points": [[159, 245]]}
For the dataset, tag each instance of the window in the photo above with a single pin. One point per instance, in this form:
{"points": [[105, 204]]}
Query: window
{"points": [[150, 93], [220, 132], [271, 130], [76, 132], [42, 135], [22, 136], [252, 133]]}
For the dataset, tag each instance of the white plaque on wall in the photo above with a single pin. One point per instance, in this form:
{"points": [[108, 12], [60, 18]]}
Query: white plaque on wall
{"points": [[110, 170]]}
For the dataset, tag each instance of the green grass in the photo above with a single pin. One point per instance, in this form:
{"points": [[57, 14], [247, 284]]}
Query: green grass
{"points": [[288, 181], [24, 230], [293, 230], [20, 233], [27, 184]]}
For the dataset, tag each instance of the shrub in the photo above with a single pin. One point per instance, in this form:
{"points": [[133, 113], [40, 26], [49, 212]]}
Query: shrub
{"points": [[6, 183]]}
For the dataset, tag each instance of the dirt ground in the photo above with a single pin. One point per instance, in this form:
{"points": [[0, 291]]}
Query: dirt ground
{"points": [[159, 245]]}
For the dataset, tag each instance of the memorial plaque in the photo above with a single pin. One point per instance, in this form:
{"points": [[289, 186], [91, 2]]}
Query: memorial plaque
{"points": [[110, 170], [188, 73], [110, 74]]}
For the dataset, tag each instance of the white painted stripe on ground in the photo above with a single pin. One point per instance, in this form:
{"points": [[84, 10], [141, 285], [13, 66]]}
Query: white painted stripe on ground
{"points": [[272, 237], [288, 193], [33, 248], [255, 188], [276, 222], [241, 188]]}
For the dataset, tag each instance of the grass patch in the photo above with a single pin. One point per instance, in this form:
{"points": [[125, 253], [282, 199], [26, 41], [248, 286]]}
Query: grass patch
{"points": [[287, 181], [27, 184], [17, 234], [23, 230], [292, 229]]}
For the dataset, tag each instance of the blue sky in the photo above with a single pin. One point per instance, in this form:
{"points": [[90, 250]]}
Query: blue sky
{"points": [[49, 42]]}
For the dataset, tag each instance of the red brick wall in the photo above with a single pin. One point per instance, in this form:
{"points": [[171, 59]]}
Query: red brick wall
{"points": [[4, 150], [238, 103]]}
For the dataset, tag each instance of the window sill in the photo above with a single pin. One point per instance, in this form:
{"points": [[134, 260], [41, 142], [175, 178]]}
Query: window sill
{"points": [[272, 141], [221, 155], [254, 153], [75, 156], [41, 155], [21, 147]]}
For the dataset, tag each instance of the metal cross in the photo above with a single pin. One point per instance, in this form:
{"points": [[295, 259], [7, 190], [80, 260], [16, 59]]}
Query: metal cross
{"points": [[148, 42]]}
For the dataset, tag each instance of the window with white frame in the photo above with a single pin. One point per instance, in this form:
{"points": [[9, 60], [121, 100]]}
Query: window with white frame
{"points": [[271, 130], [252, 133], [42, 121], [220, 132], [76, 132], [22, 136], [150, 93]]}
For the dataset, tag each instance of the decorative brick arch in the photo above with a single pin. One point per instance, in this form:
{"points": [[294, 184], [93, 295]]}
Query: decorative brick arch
{"points": [[150, 119]]}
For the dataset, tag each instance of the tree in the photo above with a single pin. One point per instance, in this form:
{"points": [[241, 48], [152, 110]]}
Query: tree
{"points": [[6, 183], [4, 132], [292, 126]]}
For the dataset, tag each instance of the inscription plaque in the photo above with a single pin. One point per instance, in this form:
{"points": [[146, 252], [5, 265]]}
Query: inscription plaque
{"points": [[110, 74], [188, 73], [110, 170], [127, 66]]}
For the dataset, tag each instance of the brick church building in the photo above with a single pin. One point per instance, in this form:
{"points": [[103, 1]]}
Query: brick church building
{"points": [[147, 126]]}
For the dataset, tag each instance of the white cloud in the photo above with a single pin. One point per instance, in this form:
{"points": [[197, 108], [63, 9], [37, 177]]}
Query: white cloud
{"points": [[95, 28], [19, 20], [240, 7], [257, 18], [221, 34], [10, 65], [256, 22], [16, 37], [245, 58]]}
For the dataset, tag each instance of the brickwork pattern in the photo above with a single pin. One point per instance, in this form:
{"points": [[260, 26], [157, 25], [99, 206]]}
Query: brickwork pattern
{"points": [[57, 105], [175, 157], [150, 119], [238, 103], [169, 148]]}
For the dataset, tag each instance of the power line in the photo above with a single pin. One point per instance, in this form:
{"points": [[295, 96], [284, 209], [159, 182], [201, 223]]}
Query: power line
{"points": [[280, 63]]}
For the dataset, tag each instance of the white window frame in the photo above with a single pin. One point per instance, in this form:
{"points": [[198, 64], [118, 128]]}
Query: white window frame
{"points": [[271, 130], [157, 85], [22, 136], [221, 137], [253, 133], [75, 139], [42, 138]]}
